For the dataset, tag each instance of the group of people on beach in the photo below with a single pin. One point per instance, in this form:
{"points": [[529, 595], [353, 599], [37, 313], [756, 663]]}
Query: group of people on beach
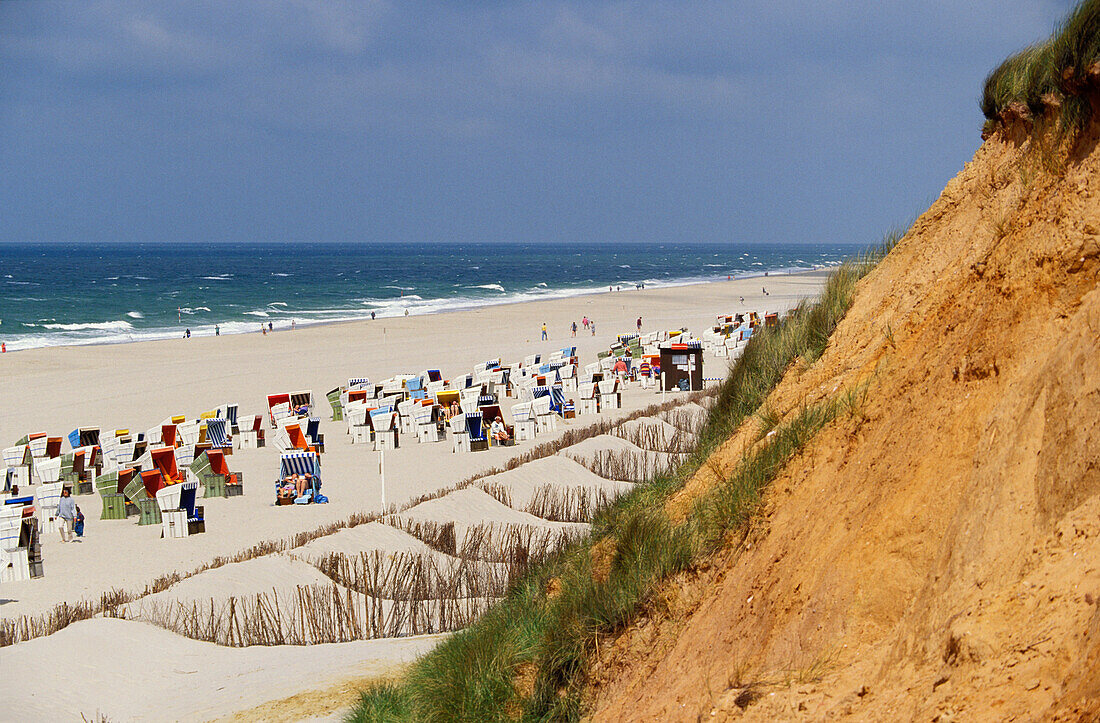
{"points": [[587, 323]]}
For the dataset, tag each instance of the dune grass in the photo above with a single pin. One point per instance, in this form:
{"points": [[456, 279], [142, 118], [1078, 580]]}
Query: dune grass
{"points": [[527, 657], [1052, 74]]}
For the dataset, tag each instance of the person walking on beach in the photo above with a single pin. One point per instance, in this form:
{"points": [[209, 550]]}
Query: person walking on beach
{"points": [[544, 331], [592, 326], [66, 515], [187, 334], [217, 330], [584, 321], [639, 323], [372, 316], [293, 322], [574, 328], [270, 326]]}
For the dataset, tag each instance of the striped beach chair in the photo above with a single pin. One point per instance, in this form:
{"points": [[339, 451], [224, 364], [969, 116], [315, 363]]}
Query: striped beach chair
{"points": [[302, 463]]}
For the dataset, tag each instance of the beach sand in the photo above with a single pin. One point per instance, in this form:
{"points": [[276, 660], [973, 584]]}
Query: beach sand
{"points": [[135, 386]]}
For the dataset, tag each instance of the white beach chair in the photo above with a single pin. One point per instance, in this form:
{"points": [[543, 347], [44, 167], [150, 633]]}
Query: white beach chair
{"points": [[279, 412], [18, 460], [14, 560], [568, 376], [185, 455], [610, 396], [546, 420], [356, 417], [460, 439], [468, 398], [405, 420], [426, 428], [385, 434], [523, 419], [250, 428], [46, 470], [47, 497], [586, 398], [188, 432]]}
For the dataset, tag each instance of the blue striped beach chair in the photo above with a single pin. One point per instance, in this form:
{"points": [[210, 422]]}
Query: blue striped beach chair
{"points": [[302, 463]]}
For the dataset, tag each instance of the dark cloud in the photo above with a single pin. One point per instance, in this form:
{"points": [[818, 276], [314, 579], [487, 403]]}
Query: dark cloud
{"points": [[318, 119]]}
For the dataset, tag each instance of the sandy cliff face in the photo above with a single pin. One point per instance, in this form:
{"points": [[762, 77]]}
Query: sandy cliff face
{"points": [[934, 555]]}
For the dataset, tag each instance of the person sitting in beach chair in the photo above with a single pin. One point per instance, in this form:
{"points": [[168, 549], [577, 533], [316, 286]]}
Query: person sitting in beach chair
{"points": [[288, 490], [499, 432]]}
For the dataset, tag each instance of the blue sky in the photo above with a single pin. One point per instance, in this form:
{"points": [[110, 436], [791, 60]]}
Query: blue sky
{"points": [[487, 121]]}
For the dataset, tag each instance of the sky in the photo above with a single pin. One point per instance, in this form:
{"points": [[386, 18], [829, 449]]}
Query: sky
{"points": [[322, 120]]}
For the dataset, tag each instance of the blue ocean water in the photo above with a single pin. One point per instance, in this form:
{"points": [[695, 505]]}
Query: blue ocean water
{"points": [[61, 294]]}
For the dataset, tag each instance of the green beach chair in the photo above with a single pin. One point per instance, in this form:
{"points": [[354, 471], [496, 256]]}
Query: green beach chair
{"points": [[213, 484], [337, 406], [114, 504], [148, 512]]}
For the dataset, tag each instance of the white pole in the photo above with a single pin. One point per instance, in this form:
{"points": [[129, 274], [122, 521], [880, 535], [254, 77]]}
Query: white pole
{"points": [[382, 473]]}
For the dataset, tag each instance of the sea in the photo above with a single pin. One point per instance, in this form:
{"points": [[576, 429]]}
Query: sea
{"points": [[96, 293]]}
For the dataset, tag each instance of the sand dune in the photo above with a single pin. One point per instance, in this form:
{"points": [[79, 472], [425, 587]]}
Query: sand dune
{"points": [[615, 458], [155, 675]]}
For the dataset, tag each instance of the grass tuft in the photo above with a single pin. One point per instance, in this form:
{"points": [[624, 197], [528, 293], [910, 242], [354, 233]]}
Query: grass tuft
{"points": [[1054, 75]]}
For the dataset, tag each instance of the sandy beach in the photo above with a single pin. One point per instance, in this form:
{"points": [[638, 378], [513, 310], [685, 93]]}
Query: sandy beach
{"points": [[136, 385]]}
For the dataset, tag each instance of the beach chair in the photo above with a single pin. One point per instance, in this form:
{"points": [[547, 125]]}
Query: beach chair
{"points": [[185, 455], [188, 432], [557, 400], [19, 461], [278, 407], [155, 435], [459, 434], [47, 497], [84, 437], [523, 419], [130, 484], [405, 416], [46, 470], [476, 439], [545, 418], [280, 438], [53, 447], [232, 409], [253, 435], [359, 428], [18, 561], [217, 435], [302, 400], [426, 421], [167, 462], [180, 517], [114, 502], [610, 396], [446, 397], [211, 469], [567, 375], [313, 434], [386, 435], [301, 463], [335, 401], [587, 398], [298, 439]]}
